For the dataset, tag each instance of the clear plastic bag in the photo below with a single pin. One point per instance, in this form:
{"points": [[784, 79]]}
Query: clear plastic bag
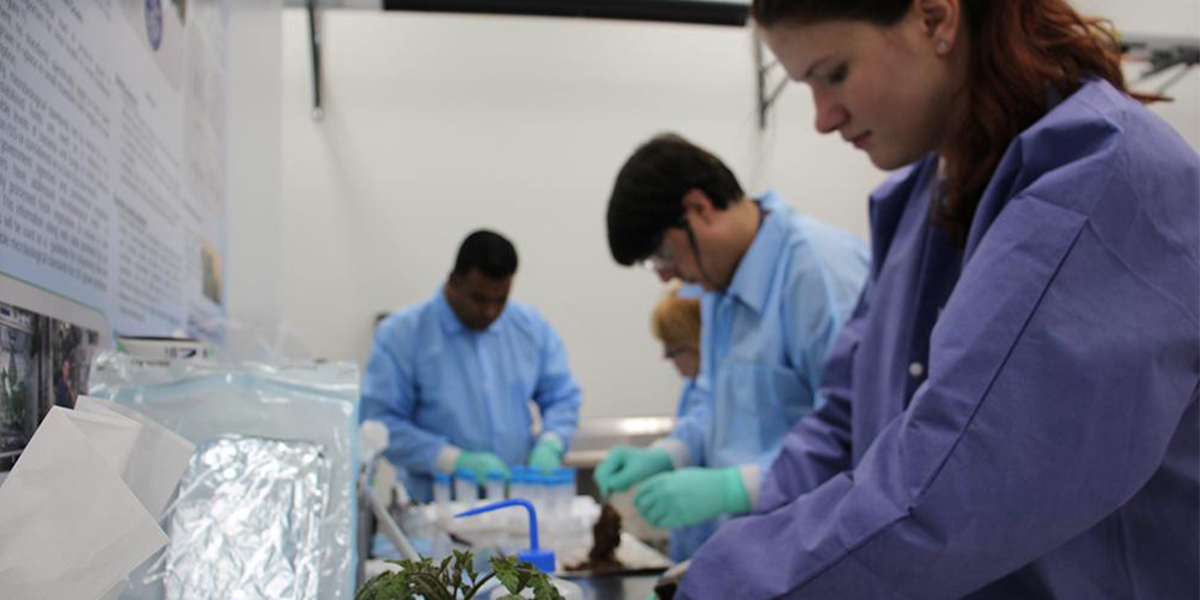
{"points": [[309, 406]]}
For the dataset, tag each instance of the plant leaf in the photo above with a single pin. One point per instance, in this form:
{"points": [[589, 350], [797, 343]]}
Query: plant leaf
{"points": [[386, 586], [511, 581], [544, 590]]}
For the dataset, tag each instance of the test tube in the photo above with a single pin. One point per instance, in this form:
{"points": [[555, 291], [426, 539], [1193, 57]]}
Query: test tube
{"points": [[441, 491], [466, 486]]}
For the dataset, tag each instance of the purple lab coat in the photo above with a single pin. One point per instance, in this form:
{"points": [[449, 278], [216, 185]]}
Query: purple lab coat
{"points": [[1013, 420]]}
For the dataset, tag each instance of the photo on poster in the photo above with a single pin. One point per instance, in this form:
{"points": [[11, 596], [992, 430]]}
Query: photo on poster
{"points": [[43, 362], [71, 351], [210, 271], [19, 354]]}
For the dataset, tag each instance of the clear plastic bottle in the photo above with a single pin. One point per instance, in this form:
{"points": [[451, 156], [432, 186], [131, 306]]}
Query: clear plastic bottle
{"points": [[518, 487], [564, 491], [552, 503], [494, 491], [519, 483], [466, 487], [539, 494], [441, 492]]}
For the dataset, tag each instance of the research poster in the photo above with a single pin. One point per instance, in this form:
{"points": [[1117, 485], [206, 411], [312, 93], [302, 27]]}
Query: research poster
{"points": [[112, 167]]}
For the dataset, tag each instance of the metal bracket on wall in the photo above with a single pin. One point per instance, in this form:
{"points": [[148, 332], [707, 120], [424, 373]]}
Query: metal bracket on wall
{"points": [[764, 69], [1162, 54], [701, 12], [314, 37]]}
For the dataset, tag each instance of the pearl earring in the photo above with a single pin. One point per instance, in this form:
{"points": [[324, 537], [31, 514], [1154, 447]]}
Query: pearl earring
{"points": [[942, 46]]}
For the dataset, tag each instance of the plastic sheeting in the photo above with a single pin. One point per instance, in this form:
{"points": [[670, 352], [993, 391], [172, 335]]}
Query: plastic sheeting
{"points": [[310, 413], [247, 521]]}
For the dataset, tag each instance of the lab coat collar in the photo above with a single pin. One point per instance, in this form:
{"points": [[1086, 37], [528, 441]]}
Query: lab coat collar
{"points": [[751, 283], [449, 321], [452, 326], [888, 202]]}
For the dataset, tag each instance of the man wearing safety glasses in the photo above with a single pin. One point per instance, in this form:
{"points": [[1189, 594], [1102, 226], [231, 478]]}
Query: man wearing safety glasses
{"points": [[777, 288]]}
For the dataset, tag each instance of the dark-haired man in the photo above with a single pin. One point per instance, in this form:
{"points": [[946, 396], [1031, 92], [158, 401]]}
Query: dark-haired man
{"points": [[452, 377], [777, 288]]}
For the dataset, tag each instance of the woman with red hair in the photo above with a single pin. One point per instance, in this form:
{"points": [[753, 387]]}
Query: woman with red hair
{"points": [[1012, 409]]}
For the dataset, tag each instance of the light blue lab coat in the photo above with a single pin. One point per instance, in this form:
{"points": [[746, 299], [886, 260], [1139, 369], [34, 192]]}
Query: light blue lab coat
{"points": [[765, 338], [692, 405], [1012, 419], [434, 382]]}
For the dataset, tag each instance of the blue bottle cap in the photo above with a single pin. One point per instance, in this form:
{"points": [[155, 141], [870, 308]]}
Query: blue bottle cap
{"points": [[466, 475], [520, 474], [494, 476], [440, 477]]}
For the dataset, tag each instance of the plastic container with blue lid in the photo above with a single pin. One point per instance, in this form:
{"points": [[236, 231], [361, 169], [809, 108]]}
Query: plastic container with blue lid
{"points": [[466, 486]]}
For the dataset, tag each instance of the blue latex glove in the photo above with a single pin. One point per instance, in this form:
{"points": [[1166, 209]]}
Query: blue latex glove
{"points": [[546, 455], [691, 496], [624, 467], [481, 463]]}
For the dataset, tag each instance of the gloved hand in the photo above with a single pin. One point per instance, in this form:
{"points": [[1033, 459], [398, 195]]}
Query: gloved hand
{"points": [[481, 463], [690, 496], [625, 466], [547, 454]]}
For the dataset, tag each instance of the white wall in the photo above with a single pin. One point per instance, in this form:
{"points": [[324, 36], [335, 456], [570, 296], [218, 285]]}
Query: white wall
{"points": [[253, 158], [437, 124]]}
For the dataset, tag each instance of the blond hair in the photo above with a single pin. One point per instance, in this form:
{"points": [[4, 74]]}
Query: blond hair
{"points": [[676, 321]]}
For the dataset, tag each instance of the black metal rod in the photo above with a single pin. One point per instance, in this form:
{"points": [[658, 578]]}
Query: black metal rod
{"points": [[701, 12], [315, 45], [761, 71]]}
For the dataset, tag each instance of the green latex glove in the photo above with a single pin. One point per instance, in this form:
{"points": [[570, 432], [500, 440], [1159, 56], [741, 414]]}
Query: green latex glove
{"points": [[481, 463], [546, 455], [691, 496], [624, 467]]}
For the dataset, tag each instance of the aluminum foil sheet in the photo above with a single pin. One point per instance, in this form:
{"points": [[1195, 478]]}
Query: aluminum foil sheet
{"points": [[246, 525]]}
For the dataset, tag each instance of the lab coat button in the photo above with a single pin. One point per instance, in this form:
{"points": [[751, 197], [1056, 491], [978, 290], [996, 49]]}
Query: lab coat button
{"points": [[916, 369]]}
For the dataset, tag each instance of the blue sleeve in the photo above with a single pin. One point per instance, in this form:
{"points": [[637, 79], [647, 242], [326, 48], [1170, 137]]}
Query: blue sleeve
{"points": [[1060, 372], [822, 293], [691, 422], [557, 394], [818, 446], [389, 395]]}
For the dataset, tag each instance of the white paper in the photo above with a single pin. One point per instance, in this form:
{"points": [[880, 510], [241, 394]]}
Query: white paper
{"points": [[113, 436], [69, 526], [116, 590], [159, 458]]}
